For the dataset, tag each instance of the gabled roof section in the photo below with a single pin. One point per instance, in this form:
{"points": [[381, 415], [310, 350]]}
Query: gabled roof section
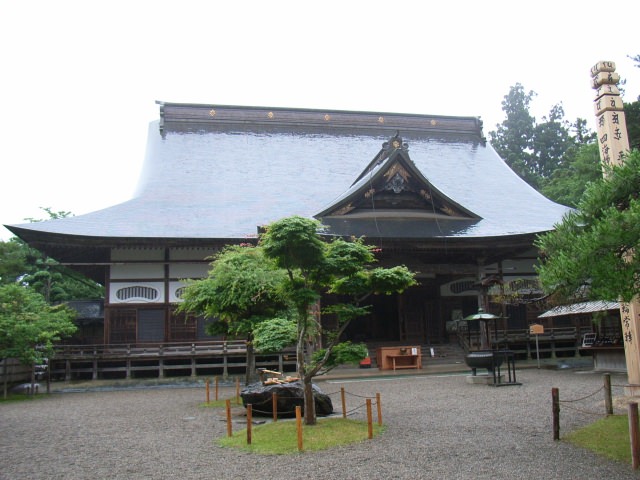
{"points": [[391, 186]]}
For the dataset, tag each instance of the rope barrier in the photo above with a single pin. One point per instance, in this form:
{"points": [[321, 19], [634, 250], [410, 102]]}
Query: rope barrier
{"points": [[277, 412], [352, 394], [575, 409], [583, 398], [556, 402], [372, 400], [358, 396]]}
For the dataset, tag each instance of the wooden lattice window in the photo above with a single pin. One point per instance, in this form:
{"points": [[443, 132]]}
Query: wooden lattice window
{"points": [[122, 325], [182, 328], [462, 286]]}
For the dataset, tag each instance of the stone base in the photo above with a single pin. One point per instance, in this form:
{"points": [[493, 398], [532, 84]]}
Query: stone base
{"points": [[483, 379]]}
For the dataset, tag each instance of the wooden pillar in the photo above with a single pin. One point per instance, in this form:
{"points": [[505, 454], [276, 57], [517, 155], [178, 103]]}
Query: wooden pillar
{"points": [[613, 142]]}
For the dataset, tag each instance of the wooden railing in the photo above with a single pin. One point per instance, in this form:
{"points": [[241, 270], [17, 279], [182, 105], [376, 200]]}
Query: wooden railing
{"points": [[223, 357], [523, 343], [213, 347]]}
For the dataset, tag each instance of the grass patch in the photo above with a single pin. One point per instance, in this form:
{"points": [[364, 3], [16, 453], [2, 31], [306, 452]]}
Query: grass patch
{"points": [[20, 397], [280, 438], [221, 403], [608, 436]]}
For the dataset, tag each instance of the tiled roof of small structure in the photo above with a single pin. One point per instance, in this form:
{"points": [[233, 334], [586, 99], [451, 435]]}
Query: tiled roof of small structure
{"points": [[580, 308], [217, 172]]}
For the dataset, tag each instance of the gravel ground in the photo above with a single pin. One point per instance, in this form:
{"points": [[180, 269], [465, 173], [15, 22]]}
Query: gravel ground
{"points": [[438, 427]]}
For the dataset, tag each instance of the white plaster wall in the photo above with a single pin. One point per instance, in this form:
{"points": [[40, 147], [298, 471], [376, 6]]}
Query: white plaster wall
{"points": [[190, 253], [137, 271], [129, 254], [188, 270], [173, 287]]}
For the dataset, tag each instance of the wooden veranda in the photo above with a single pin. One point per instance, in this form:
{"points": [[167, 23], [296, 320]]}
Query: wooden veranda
{"points": [[224, 358]]}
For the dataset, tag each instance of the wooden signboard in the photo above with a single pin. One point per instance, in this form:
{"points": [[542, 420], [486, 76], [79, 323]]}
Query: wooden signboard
{"points": [[536, 329]]}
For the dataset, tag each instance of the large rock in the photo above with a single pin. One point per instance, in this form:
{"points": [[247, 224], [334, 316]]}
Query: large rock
{"points": [[290, 395]]}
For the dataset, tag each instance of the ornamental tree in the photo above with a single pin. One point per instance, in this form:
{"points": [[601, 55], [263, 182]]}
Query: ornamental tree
{"points": [[29, 326], [595, 248], [314, 267], [242, 289]]}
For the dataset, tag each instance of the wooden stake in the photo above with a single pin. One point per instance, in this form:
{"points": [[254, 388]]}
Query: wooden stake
{"points": [[608, 404], [344, 403], [555, 401], [369, 419], [634, 435], [206, 387], [299, 427], [229, 427], [274, 403], [379, 405], [249, 423]]}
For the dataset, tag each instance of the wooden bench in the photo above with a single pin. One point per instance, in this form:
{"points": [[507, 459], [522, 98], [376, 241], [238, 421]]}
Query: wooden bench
{"points": [[404, 361]]}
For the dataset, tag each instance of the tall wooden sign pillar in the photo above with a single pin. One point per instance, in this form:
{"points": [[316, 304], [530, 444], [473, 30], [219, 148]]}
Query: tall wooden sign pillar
{"points": [[614, 142]]}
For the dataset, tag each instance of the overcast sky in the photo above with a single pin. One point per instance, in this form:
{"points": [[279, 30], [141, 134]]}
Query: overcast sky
{"points": [[80, 78]]}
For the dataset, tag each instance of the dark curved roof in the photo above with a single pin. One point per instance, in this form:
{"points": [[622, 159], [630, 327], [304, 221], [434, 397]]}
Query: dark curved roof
{"points": [[219, 172]]}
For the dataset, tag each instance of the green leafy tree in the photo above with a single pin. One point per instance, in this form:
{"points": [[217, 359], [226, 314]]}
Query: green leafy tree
{"points": [[594, 249], [275, 334], [13, 261], [513, 138], [21, 263], [551, 140], [242, 289], [568, 182], [314, 267], [632, 118], [536, 150], [29, 326]]}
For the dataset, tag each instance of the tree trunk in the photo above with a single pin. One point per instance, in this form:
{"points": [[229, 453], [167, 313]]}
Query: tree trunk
{"points": [[251, 375], [6, 377], [33, 379], [309, 402]]}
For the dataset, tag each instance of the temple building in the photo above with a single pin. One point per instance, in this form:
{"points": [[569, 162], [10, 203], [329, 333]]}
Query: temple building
{"points": [[428, 191]]}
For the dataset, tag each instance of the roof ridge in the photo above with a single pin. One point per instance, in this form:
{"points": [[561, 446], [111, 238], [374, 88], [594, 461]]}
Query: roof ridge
{"points": [[191, 113]]}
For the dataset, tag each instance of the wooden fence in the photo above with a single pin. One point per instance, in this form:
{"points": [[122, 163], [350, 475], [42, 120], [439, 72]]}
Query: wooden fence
{"points": [[168, 359], [554, 342]]}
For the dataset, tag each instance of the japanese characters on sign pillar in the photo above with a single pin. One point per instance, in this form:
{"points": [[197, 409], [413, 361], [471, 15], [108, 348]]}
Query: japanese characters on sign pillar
{"points": [[609, 110], [613, 143]]}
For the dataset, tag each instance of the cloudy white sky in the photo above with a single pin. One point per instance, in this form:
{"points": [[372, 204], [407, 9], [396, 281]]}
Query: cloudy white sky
{"points": [[80, 78]]}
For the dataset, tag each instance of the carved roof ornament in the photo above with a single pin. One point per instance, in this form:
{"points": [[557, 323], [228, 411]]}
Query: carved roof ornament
{"points": [[344, 210], [395, 170], [395, 143], [397, 184]]}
